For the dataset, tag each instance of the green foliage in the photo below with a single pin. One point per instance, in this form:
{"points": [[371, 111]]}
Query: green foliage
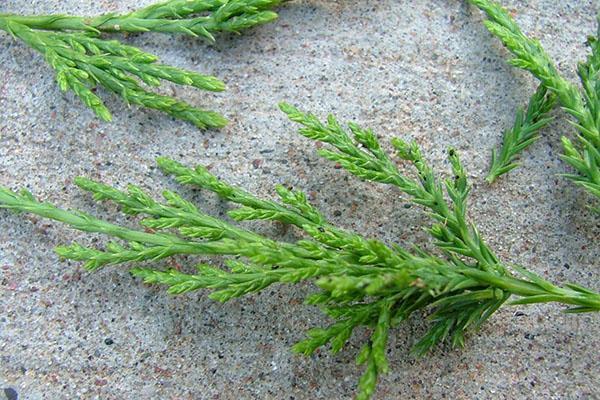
{"points": [[360, 282], [83, 60], [525, 132], [583, 106]]}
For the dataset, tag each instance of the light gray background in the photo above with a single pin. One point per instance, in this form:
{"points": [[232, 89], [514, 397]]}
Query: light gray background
{"points": [[422, 70]]}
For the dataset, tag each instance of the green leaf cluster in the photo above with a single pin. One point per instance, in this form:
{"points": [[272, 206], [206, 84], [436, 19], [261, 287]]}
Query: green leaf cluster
{"points": [[583, 105], [83, 60], [360, 282]]}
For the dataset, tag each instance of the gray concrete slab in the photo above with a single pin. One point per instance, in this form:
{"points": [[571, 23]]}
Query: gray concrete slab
{"points": [[422, 70]]}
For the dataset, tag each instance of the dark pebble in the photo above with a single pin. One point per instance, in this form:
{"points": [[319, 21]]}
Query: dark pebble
{"points": [[108, 341], [337, 213], [11, 394]]}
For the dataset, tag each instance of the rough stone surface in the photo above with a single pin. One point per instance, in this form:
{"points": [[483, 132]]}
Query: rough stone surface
{"points": [[422, 70]]}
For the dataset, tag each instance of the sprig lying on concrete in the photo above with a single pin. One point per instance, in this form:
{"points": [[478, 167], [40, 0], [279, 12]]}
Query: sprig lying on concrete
{"points": [[83, 60], [583, 105], [361, 282]]}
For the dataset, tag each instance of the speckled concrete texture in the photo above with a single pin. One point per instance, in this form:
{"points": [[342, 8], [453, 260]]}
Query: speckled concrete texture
{"points": [[422, 70]]}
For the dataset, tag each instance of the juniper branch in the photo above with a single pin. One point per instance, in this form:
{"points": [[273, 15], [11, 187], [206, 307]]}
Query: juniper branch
{"points": [[82, 60], [583, 106], [364, 158], [361, 282], [169, 17]]}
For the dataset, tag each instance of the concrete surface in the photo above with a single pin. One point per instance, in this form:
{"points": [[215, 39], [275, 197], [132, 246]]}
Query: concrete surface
{"points": [[424, 70]]}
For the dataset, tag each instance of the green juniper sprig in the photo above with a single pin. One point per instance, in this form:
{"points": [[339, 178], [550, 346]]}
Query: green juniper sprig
{"points": [[172, 16], [584, 106], [524, 132], [361, 282], [83, 60]]}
